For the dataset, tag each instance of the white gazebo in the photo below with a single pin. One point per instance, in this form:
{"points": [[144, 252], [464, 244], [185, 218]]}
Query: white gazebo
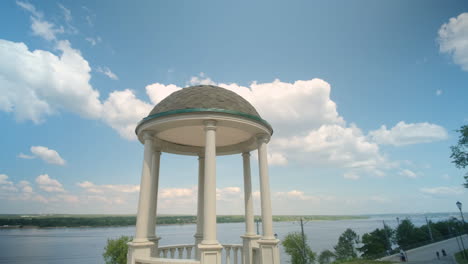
{"points": [[204, 121]]}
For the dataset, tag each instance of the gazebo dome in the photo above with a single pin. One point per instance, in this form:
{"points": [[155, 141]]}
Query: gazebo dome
{"points": [[203, 98], [178, 121]]}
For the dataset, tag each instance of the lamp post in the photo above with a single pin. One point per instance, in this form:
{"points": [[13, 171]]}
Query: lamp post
{"points": [[459, 205]]}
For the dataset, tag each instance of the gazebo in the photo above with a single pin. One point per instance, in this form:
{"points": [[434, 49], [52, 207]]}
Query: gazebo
{"points": [[204, 121]]}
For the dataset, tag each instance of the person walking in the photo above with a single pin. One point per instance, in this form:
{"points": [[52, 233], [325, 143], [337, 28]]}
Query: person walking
{"points": [[438, 255]]}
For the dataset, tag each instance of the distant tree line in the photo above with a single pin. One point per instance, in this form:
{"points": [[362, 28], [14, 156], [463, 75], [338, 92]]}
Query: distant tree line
{"points": [[97, 221]]}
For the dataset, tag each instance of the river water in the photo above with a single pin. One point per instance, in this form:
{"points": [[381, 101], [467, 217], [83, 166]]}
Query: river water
{"points": [[85, 245]]}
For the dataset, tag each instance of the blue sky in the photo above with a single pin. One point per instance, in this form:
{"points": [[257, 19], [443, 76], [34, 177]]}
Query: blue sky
{"points": [[364, 97]]}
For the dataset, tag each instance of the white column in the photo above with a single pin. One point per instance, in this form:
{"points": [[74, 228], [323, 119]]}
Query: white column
{"points": [[250, 237], [209, 212], [249, 215], [267, 221], [155, 164], [200, 204], [143, 216], [268, 244]]}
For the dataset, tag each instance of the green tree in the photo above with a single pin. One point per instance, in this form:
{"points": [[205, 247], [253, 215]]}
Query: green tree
{"points": [[115, 251], [294, 247], [460, 151], [326, 257], [346, 247], [376, 243], [408, 236]]}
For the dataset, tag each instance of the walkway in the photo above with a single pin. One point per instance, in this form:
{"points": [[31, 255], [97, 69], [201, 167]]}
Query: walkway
{"points": [[427, 253]]}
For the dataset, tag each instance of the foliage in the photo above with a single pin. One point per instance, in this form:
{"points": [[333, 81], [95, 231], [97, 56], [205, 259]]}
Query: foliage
{"points": [[326, 257], [407, 235], [298, 249], [346, 247], [376, 242], [459, 257], [115, 251], [460, 151]]}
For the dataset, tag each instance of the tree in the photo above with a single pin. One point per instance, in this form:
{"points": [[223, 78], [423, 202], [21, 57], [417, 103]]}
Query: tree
{"points": [[460, 151], [376, 242], [115, 251], [326, 257], [346, 247], [294, 246]]}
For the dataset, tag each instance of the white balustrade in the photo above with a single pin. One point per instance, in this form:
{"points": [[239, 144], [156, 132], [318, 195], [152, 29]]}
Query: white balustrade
{"points": [[182, 254], [234, 249]]}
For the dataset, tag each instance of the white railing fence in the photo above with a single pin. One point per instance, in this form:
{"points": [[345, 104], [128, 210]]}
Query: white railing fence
{"points": [[177, 252], [233, 254]]}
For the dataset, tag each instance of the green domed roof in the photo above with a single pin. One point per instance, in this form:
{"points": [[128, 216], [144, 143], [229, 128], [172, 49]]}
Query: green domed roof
{"points": [[203, 98]]}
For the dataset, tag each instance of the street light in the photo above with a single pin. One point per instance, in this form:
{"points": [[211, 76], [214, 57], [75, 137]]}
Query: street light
{"points": [[459, 205]]}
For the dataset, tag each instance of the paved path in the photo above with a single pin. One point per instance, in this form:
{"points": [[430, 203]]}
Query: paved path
{"points": [[427, 253]]}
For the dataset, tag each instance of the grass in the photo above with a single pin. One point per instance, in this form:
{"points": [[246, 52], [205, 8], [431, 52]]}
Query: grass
{"points": [[459, 257]]}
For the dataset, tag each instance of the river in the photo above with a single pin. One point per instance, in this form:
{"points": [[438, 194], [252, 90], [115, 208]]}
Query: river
{"points": [[85, 245]]}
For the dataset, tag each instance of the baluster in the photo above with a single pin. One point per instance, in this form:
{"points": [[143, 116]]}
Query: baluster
{"points": [[236, 249], [172, 252], [165, 252], [228, 254], [242, 254], [189, 252], [181, 252]]}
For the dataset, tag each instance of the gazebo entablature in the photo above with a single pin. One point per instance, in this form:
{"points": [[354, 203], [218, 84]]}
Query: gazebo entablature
{"points": [[204, 132]]}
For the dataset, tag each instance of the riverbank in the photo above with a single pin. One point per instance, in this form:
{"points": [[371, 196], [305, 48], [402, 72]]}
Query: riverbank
{"points": [[86, 221]]}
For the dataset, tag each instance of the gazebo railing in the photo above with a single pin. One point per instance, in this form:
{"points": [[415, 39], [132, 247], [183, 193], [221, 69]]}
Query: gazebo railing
{"points": [[232, 254], [236, 251], [177, 251]]}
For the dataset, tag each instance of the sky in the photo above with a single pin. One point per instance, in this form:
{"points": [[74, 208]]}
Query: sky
{"points": [[364, 97]]}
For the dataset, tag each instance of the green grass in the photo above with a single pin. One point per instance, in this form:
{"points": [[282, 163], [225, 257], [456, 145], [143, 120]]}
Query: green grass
{"points": [[459, 257]]}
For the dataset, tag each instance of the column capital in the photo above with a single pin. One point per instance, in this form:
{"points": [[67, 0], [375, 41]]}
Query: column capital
{"points": [[246, 154], [262, 138], [146, 135], [210, 124]]}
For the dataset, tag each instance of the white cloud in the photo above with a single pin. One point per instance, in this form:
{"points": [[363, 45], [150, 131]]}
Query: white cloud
{"points": [[29, 7], [45, 29], [48, 155], [276, 158], [4, 180], [38, 83], [122, 111], [66, 13], [93, 41], [405, 134], [106, 71], [351, 176], [443, 190], [24, 156], [439, 92], [408, 173], [48, 184], [453, 37], [39, 26], [157, 92], [123, 188]]}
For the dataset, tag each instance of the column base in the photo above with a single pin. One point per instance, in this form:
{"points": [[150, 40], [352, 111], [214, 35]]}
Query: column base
{"points": [[139, 250], [249, 243], [269, 251], [145, 249], [210, 254]]}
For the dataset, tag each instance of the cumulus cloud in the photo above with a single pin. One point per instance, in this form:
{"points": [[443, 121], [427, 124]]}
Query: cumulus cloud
{"points": [[48, 155], [122, 111], [106, 71], [48, 184], [453, 37], [66, 13], [406, 134], [93, 41], [35, 84], [351, 176], [443, 190]]}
